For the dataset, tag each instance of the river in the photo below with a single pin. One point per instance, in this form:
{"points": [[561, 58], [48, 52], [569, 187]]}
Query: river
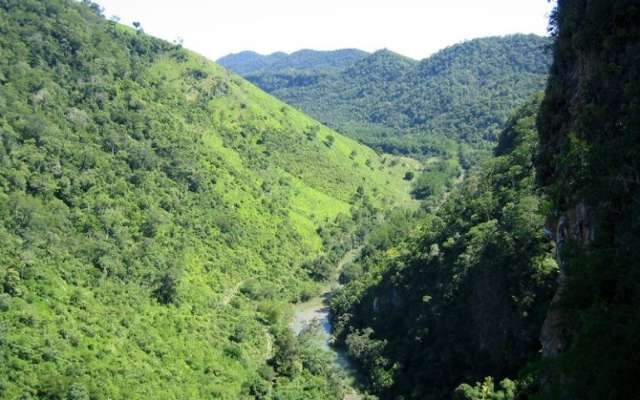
{"points": [[315, 311]]}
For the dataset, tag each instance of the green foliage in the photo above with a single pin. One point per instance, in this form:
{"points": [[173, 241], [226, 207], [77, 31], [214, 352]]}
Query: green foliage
{"points": [[369, 353], [350, 272], [149, 203], [77, 392], [329, 141], [11, 282], [463, 295], [486, 390], [319, 269], [438, 177], [464, 93], [310, 372], [167, 290], [287, 360], [589, 160]]}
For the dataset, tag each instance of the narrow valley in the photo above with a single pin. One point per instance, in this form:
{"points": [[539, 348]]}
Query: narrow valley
{"points": [[400, 200]]}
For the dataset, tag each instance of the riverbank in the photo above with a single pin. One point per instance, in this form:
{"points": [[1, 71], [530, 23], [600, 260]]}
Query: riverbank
{"points": [[315, 313]]}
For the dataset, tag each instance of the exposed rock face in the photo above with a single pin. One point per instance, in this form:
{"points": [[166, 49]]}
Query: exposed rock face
{"points": [[575, 225]]}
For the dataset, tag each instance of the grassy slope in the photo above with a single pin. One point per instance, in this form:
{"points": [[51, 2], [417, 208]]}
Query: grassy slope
{"points": [[266, 139], [185, 171]]}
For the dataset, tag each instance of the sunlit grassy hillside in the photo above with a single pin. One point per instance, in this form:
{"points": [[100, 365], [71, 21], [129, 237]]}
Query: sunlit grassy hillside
{"points": [[155, 211]]}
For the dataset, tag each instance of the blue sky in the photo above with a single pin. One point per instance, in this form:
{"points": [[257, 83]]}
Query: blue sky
{"points": [[415, 28]]}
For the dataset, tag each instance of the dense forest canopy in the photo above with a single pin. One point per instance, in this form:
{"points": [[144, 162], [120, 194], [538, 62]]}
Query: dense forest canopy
{"points": [[464, 296], [462, 94]]}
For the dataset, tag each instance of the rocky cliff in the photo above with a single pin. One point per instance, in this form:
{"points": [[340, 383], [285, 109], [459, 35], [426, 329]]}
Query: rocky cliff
{"points": [[588, 163]]}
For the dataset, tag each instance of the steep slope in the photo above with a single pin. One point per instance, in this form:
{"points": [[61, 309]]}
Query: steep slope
{"points": [[251, 63], [155, 213], [465, 92], [465, 295], [589, 162]]}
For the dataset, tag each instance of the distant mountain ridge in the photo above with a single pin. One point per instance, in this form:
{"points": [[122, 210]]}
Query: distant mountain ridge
{"points": [[250, 62], [462, 94]]}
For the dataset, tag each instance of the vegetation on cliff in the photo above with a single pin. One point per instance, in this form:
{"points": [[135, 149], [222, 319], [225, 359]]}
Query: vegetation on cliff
{"points": [[588, 163], [464, 296]]}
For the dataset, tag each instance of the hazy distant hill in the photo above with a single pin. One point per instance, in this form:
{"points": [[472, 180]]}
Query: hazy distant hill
{"points": [[249, 62], [464, 92]]}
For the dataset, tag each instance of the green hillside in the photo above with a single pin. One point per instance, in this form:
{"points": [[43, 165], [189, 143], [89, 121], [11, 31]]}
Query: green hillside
{"points": [[464, 93], [155, 213]]}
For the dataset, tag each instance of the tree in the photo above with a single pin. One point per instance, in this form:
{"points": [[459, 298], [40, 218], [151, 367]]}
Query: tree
{"points": [[77, 392], [286, 360], [167, 290], [11, 282], [319, 269], [257, 387]]}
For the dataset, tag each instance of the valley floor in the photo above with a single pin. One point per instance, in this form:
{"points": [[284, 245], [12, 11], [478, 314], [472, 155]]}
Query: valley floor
{"points": [[314, 314]]}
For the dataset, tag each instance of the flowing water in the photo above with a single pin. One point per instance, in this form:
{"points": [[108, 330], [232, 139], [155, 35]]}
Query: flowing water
{"points": [[315, 312]]}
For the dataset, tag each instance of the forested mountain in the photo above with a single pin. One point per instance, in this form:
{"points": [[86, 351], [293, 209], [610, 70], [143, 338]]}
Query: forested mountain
{"points": [[249, 62], [156, 216], [466, 294], [464, 93], [523, 283]]}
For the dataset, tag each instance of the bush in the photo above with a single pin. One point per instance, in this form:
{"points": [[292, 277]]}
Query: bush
{"points": [[486, 390], [330, 140]]}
